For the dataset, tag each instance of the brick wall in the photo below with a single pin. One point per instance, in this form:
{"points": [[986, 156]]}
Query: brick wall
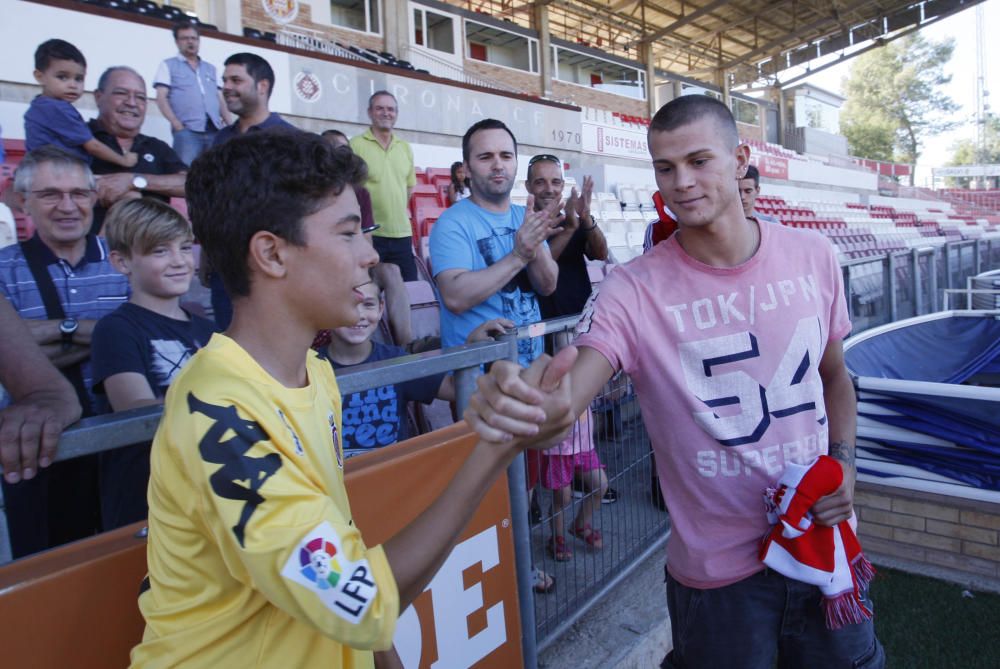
{"points": [[953, 537], [522, 82], [254, 16], [589, 97]]}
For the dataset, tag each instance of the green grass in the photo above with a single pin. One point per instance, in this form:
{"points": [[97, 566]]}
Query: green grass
{"points": [[927, 623]]}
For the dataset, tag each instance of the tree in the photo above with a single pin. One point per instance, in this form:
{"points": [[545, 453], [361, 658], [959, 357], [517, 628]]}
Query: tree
{"points": [[965, 152], [894, 99]]}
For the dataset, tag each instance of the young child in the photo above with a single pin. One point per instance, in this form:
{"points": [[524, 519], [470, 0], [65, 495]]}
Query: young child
{"points": [[247, 466], [377, 417], [575, 455], [139, 348], [51, 118]]}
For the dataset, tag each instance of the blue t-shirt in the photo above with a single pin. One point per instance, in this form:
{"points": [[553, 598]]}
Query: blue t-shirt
{"points": [[134, 339], [466, 236], [377, 417], [52, 121]]}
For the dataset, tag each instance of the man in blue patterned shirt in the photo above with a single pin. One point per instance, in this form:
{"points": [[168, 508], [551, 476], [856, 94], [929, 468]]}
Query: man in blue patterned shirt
{"points": [[60, 282]]}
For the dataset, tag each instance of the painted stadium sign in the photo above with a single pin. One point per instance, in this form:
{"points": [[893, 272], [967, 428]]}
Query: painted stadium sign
{"points": [[426, 106], [967, 171]]}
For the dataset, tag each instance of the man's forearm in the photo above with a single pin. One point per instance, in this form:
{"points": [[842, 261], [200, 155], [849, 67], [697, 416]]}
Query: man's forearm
{"points": [[543, 272], [171, 185], [164, 106], [465, 290], [558, 243], [64, 357], [841, 411]]}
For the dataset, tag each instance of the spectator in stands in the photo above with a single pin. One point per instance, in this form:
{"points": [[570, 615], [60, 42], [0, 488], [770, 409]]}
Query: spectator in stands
{"points": [[247, 84], [41, 402], [458, 189], [247, 488], [732, 386], [140, 347], [378, 417], [578, 239], [391, 178], [188, 95], [574, 458], [60, 70], [490, 257], [121, 111], [397, 300], [749, 190], [60, 282]]}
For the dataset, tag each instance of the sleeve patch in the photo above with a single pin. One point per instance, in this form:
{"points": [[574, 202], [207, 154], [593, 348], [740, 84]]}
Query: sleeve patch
{"points": [[319, 564]]}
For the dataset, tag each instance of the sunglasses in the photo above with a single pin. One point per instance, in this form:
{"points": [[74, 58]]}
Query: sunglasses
{"points": [[547, 157]]}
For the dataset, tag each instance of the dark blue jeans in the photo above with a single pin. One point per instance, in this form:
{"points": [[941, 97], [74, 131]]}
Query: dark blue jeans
{"points": [[749, 624], [189, 144]]}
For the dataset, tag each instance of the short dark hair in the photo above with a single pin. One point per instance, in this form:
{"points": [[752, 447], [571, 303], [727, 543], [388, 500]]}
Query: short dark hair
{"points": [[485, 124], [752, 173], [57, 49], [268, 180], [687, 109], [377, 94], [333, 132], [258, 68], [185, 25]]}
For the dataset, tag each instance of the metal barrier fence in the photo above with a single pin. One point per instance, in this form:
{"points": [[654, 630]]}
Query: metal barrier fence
{"points": [[878, 291]]}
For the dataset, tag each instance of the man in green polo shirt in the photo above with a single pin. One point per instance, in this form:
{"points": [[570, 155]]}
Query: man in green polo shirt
{"points": [[390, 181]]}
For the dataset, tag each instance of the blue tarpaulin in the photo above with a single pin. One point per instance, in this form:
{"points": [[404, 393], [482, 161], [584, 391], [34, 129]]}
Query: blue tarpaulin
{"points": [[926, 360]]}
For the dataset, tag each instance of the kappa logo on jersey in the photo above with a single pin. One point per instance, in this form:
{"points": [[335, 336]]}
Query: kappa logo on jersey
{"points": [[237, 466], [319, 564], [338, 449]]}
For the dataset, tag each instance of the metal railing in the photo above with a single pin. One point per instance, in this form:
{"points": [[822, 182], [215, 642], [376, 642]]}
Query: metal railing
{"points": [[878, 290]]}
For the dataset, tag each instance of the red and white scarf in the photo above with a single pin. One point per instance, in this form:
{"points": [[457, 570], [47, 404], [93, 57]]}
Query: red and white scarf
{"points": [[827, 557]]}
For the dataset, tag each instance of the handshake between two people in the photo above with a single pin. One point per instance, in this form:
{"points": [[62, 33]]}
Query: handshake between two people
{"points": [[525, 408]]}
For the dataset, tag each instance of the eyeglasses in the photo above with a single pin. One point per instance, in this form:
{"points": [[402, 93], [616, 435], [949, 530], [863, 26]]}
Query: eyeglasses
{"points": [[52, 197], [548, 157]]}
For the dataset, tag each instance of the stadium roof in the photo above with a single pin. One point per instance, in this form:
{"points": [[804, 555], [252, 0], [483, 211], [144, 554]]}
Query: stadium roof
{"points": [[753, 41]]}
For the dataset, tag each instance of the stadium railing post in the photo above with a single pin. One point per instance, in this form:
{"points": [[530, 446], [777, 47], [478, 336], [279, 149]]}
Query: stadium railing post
{"points": [[977, 263], [889, 267], [934, 280], [517, 487], [846, 271], [915, 278]]}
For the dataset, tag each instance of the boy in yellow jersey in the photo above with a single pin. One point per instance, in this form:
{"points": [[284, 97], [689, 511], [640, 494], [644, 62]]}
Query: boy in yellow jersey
{"points": [[254, 560]]}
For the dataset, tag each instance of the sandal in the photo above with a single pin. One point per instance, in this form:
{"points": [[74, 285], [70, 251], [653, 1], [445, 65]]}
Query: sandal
{"points": [[559, 551], [589, 535], [542, 583]]}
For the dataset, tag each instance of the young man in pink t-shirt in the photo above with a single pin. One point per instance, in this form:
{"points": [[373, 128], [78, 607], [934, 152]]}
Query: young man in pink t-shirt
{"points": [[731, 331]]}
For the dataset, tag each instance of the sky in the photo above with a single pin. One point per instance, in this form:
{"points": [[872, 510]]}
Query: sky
{"points": [[937, 151]]}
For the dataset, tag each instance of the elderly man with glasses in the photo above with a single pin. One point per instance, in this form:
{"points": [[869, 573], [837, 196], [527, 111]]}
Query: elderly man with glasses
{"points": [[121, 110], [60, 282]]}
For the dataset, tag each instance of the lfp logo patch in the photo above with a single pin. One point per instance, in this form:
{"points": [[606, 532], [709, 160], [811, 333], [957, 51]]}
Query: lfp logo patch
{"points": [[319, 563]]}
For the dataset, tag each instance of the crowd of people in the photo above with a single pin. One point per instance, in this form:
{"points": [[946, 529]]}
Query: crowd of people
{"points": [[306, 243]]}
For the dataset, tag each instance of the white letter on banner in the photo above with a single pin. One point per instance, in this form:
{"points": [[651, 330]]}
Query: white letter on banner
{"points": [[408, 638], [453, 604]]}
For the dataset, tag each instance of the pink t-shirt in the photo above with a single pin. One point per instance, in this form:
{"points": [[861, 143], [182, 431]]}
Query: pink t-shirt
{"points": [[725, 366]]}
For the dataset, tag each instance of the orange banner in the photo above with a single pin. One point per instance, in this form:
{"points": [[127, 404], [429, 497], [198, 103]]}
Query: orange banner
{"points": [[75, 606]]}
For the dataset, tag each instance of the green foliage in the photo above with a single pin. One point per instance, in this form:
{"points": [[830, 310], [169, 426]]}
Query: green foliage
{"points": [[964, 151], [894, 99]]}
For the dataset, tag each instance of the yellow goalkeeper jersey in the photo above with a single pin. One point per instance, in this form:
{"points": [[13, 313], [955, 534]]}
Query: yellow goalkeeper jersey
{"points": [[253, 556]]}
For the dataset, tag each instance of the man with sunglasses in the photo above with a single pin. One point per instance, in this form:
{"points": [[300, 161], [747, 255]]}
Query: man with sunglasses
{"points": [[60, 282]]}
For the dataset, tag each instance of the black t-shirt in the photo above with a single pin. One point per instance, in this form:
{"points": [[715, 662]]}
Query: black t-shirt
{"points": [[573, 288], [134, 339], [377, 417], [155, 157]]}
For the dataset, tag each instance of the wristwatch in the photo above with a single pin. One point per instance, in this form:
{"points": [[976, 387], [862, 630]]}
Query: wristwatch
{"points": [[139, 182], [68, 328]]}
